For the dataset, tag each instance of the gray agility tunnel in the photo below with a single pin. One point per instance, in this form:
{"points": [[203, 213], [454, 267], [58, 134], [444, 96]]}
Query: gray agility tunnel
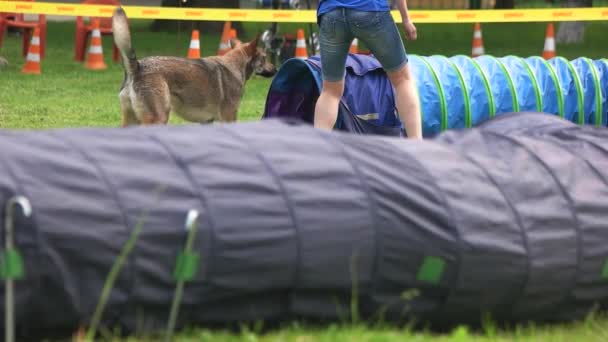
{"points": [[508, 218]]}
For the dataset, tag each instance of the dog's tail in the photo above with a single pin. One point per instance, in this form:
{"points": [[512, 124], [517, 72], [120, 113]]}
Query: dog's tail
{"points": [[122, 39]]}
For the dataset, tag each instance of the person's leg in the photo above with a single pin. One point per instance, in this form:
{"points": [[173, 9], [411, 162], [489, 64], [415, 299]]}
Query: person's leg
{"points": [[334, 40], [406, 101], [326, 109], [379, 32]]}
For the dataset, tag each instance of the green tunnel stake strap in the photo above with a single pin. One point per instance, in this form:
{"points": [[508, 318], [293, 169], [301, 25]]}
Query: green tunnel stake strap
{"points": [[12, 265], [605, 270], [186, 266], [431, 270]]}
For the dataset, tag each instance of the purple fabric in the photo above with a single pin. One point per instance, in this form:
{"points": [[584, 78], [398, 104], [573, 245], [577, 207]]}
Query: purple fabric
{"points": [[291, 105], [367, 106], [358, 64]]}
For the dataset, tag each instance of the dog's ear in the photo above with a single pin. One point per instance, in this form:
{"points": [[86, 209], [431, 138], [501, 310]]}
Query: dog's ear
{"points": [[235, 43], [252, 46]]}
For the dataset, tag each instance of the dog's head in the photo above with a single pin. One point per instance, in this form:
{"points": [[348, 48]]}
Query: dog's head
{"points": [[258, 63]]}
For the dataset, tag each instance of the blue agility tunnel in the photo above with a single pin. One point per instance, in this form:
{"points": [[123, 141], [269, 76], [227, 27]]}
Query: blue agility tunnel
{"points": [[455, 93]]}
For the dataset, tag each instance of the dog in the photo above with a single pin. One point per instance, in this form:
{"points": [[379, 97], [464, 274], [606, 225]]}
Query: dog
{"points": [[198, 90]]}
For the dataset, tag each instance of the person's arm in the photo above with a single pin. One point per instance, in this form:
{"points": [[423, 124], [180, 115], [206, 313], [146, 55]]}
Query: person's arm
{"points": [[408, 26]]}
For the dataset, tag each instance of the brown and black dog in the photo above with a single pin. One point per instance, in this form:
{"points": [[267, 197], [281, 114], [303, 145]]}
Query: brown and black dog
{"points": [[198, 90]]}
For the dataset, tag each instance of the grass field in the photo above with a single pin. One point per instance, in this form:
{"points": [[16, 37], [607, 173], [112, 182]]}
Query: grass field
{"points": [[67, 95], [591, 330]]}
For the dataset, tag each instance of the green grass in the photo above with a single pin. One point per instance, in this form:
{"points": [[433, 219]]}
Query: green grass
{"points": [[589, 330], [68, 95]]}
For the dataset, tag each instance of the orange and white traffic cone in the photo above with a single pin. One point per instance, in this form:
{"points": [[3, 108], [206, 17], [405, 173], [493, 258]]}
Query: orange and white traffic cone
{"points": [[549, 50], [225, 40], [234, 40], [301, 52], [95, 55], [354, 46], [194, 52], [477, 49], [32, 61]]}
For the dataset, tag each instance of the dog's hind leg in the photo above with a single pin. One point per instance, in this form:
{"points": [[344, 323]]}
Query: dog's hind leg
{"points": [[128, 114], [229, 113], [156, 112], [155, 103], [155, 118]]}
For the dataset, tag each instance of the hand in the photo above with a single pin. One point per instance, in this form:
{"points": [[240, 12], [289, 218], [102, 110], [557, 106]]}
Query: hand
{"points": [[410, 30]]}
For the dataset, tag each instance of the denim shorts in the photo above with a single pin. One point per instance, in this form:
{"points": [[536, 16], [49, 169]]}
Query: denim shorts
{"points": [[377, 30]]}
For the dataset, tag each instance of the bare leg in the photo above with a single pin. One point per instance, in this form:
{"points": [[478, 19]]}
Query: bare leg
{"points": [[326, 109], [407, 102]]}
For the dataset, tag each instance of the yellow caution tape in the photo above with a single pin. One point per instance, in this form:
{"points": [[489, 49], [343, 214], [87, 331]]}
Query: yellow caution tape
{"points": [[304, 16]]}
